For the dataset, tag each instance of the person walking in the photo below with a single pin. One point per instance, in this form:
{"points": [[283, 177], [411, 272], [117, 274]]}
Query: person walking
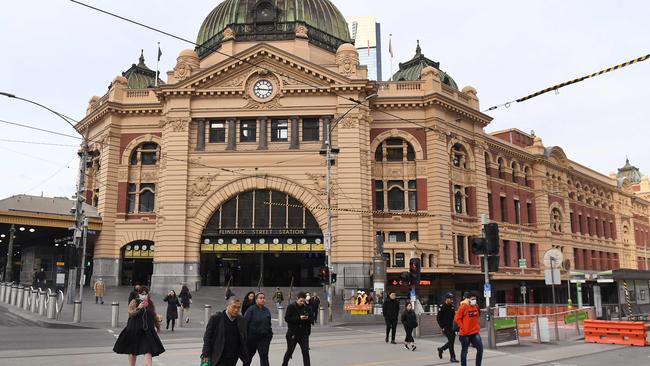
{"points": [[259, 330], [100, 290], [249, 301], [467, 317], [410, 322], [140, 335], [185, 298], [278, 297], [224, 340], [446, 313], [315, 308], [390, 310], [299, 328], [172, 308]]}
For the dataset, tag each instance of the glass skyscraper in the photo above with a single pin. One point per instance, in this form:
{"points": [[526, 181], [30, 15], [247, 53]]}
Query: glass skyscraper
{"points": [[366, 33]]}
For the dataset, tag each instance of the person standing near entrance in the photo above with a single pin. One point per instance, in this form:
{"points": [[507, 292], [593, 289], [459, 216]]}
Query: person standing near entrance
{"points": [[172, 308], [299, 324], [100, 289], [259, 331], [467, 317], [446, 313], [224, 340], [410, 322], [390, 310], [186, 299], [278, 297], [315, 308]]}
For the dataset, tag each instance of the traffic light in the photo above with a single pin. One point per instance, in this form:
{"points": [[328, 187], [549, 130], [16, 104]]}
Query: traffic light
{"points": [[333, 278], [71, 256], [493, 264], [323, 274], [415, 267], [405, 279], [478, 246], [492, 237]]}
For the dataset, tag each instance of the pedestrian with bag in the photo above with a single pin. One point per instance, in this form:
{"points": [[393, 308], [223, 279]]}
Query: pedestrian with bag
{"points": [[172, 308], [259, 330], [299, 328], [468, 319], [410, 322], [224, 340], [140, 336], [278, 297], [185, 298], [445, 318], [390, 310], [100, 290]]}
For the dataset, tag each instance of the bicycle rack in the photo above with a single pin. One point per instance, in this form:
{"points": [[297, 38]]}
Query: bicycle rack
{"points": [[59, 304]]}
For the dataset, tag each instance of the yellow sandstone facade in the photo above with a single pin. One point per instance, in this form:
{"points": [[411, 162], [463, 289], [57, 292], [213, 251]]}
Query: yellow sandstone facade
{"points": [[219, 168]]}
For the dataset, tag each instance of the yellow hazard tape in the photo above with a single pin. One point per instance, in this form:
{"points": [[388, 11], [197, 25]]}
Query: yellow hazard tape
{"points": [[375, 212]]}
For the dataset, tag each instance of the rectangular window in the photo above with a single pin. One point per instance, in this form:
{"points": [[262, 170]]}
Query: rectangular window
{"points": [[279, 130], [379, 195], [533, 255], [130, 197], [506, 253], [517, 212], [520, 247], [147, 197], [414, 236], [399, 260], [580, 224], [490, 206], [396, 236], [413, 195], [310, 129], [529, 211], [572, 218], [247, 130], [467, 197], [217, 132], [589, 225], [504, 209], [460, 249], [597, 230]]}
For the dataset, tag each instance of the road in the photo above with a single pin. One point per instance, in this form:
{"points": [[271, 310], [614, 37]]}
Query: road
{"points": [[24, 344]]}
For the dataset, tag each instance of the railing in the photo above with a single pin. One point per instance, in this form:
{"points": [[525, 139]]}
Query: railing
{"points": [[138, 93], [399, 85]]}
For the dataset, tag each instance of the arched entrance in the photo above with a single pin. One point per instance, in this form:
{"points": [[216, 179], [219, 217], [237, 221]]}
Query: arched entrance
{"points": [[262, 237], [137, 262]]}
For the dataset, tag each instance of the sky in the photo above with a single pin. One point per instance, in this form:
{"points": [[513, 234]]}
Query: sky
{"points": [[60, 54]]}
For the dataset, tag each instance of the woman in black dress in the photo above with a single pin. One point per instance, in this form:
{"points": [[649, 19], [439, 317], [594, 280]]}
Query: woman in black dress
{"points": [[410, 322], [186, 299], [140, 337], [172, 308]]}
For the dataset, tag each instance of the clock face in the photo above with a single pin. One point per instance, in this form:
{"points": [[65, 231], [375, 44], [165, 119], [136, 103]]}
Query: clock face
{"points": [[263, 89]]}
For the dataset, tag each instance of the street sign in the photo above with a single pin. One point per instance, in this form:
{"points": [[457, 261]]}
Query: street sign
{"points": [[328, 245], [522, 263], [553, 258], [523, 290], [412, 295], [487, 290], [552, 276]]}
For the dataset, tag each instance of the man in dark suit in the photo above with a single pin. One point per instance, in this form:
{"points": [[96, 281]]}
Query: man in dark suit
{"points": [[224, 341], [298, 320]]}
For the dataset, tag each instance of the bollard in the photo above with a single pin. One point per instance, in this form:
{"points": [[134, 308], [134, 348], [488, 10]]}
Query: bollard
{"points": [[34, 301], [3, 288], [10, 290], [577, 323], [26, 297], [6, 287], [280, 316], [207, 312], [76, 312], [115, 314], [181, 317], [42, 297], [51, 306], [14, 294], [19, 296], [321, 316]]}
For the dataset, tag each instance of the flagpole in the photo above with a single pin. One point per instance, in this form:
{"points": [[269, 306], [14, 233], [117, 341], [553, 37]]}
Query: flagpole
{"points": [[390, 48], [158, 65]]}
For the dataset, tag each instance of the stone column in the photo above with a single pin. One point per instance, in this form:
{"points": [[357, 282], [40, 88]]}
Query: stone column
{"points": [[326, 125], [232, 134], [295, 133], [200, 135], [264, 144]]}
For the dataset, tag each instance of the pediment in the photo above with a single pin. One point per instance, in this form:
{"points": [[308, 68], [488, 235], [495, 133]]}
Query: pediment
{"points": [[233, 73]]}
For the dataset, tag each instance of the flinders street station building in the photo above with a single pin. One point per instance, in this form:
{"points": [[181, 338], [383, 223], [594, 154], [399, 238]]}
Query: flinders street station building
{"points": [[213, 174]]}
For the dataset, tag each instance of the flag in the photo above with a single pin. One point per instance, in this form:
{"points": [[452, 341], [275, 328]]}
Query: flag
{"points": [[390, 46], [368, 46], [159, 51]]}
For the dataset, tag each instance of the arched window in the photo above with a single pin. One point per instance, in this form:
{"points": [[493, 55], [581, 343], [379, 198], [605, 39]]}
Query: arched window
{"points": [[431, 262], [459, 156], [526, 176], [422, 262], [145, 154], [265, 12], [396, 197], [515, 169], [502, 168], [141, 196], [393, 150], [488, 161]]}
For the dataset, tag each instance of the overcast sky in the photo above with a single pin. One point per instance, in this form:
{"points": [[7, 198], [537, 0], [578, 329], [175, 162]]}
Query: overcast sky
{"points": [[61, 54]]}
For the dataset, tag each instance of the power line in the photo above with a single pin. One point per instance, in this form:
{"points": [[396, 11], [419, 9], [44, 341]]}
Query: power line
{"points": [[39, 129], [37, 143], [67, 165], [30, 156]]}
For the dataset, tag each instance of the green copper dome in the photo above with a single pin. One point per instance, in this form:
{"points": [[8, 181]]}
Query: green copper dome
{"points": [[140, 76], [268, 20], [411, 70], [629, 171]]}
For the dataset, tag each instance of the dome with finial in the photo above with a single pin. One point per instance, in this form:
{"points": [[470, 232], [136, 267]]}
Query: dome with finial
{"points": [[272, 20], [140, 76], [630, 172], [412, 69]]}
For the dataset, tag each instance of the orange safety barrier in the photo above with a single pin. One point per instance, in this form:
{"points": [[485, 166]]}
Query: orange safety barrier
{"points": [[616, 332]]}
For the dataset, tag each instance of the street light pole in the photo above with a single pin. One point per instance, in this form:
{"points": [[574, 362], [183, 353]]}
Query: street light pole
{"points": [[9, 266], [328, 192]]}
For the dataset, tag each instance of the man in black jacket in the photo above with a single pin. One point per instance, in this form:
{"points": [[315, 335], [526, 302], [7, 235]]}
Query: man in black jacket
{"points": [[446, 313], [298, 320], [390, 310], [224, 341]]}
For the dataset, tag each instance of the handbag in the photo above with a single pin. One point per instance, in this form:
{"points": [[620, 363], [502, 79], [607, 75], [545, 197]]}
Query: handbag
{"points": [[206, 363]]}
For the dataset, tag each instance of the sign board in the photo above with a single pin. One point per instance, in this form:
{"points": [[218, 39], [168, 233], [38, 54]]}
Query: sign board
{"points": [[525, 327], [571, 317], [505, 331], [328, 245], [552, 276], [412, 294], [523, 290], [544, 331], [425, 283], [60, 278], [487, 290], [522, 263]]}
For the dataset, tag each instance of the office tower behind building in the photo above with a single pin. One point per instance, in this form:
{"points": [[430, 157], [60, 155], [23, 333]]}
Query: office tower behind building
{"points": [[366, 33]]}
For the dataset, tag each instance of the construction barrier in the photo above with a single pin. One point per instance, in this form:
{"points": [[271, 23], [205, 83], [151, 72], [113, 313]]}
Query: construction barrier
{"points": [[615, 332]]}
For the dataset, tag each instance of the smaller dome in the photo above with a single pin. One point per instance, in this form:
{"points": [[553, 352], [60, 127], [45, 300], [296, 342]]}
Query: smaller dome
{"points": [[140, 76], [412, 70], [629, 171], [346, 47], [187, 53]]}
